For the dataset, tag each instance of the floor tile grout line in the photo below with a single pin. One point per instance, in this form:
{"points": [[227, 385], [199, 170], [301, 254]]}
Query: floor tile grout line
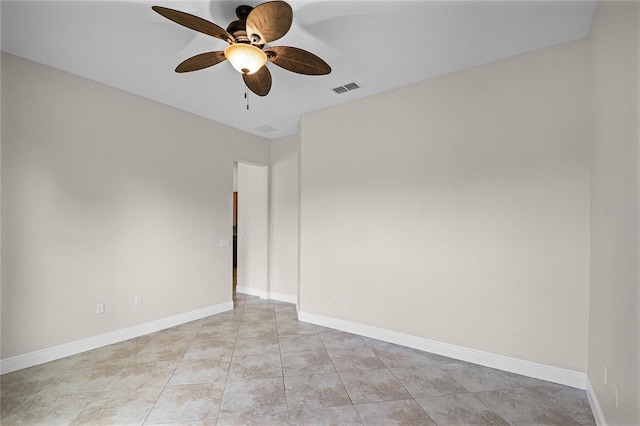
{"points": [[98, 393], [435, 366], [455, 380], [400, 382], [226, 380], [83, 408], [489, 408], [413, 398], [284, 383], [340, 378], [171, 376]]}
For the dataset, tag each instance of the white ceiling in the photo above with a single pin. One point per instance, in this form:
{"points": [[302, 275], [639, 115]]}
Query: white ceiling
{"points": [[379, 44]]}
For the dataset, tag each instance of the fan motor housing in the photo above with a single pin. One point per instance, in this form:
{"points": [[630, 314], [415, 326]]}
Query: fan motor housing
{"points": [[239, 28]]}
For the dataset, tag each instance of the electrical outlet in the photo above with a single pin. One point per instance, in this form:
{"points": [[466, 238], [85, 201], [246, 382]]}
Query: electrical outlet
{"points": [[100, 308], [224, 243], [137, 300], [605, 378], [617, 394], [336, 296]]}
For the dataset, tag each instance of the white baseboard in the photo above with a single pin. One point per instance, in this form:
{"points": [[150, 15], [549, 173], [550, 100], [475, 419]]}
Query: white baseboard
{"points": [[281, 297], [288, 298], [595, 405], [252, 292], [526, 368], [57, 352]]}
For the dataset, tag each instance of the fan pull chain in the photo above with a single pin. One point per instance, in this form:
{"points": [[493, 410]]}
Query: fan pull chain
{"points": [[246, 97]]}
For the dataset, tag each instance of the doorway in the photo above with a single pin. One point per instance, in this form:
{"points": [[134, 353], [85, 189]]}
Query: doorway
{"points": [[250, 229], [235, 241]]}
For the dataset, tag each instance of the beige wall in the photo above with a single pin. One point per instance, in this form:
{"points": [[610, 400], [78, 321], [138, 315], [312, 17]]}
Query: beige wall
{"points": [[614, 321], [106, 195], [457, 209], [284, 216], [253, 229]]}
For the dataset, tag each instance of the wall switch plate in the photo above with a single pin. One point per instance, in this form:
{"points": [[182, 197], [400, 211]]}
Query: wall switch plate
{"points": [[605, 378], [137, 300], [224, 243], [100, 308]]}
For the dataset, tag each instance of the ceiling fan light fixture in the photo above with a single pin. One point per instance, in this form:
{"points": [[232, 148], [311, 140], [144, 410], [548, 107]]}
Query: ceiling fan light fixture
{"points": [[245, 58], [255, 27]]}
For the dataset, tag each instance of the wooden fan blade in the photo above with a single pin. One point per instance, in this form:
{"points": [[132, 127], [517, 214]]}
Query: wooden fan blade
{"points": [[297, 60], [195, 23], [269, 21], [201, 61], [259, 82]]}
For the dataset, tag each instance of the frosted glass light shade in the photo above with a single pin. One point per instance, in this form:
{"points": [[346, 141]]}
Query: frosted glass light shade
{"points": [[246, 58]]}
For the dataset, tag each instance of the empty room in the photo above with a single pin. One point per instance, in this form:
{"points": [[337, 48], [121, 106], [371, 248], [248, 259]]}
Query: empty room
{"points": [[320, 212]]}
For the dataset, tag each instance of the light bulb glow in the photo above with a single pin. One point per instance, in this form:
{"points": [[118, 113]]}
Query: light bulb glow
{"points": [[245, 58]]}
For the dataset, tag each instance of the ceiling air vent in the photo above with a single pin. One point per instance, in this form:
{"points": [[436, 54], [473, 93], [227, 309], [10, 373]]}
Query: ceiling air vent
{"points": [[266, 129], [347, 87]]}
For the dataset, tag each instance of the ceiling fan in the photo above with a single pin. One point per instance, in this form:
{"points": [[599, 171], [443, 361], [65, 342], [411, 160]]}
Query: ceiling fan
{"points": [[247, 38]]}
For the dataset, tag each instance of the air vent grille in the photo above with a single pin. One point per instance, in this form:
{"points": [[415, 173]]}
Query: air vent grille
{"points": [[347, 87], [266, 129]]}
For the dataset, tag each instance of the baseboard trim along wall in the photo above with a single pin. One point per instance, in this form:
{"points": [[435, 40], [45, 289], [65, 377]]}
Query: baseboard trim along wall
{"points": [[252, 292], [595, 405], [526, 368], [281, 297], [57, 352]]}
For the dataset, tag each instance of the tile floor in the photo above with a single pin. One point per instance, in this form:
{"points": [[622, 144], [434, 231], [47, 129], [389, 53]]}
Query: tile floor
{"points": [[259, 365]]}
